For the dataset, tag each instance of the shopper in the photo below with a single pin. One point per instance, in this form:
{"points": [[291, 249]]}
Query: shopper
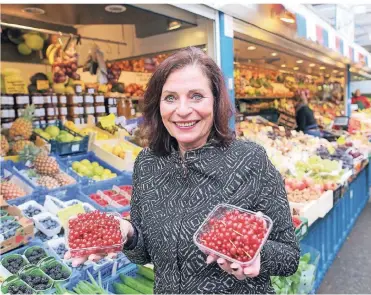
{"points": [[362, 101], [305, 120], [193, 163]]}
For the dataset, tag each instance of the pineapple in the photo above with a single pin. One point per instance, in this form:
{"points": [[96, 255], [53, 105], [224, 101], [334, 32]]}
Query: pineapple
{"points": [[10, 190], [22, 127], [48, 182], [19, 146], [43, 164], [4, 146], [64, 179]]}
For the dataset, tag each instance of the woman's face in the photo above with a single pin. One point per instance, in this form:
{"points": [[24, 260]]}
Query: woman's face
{"points": [[186, 107]]}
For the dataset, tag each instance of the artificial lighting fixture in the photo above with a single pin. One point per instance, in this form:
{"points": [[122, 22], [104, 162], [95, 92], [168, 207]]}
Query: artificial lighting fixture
{"points": [[34, 10], [274, 53], [300, 61], [283, 66], [312, 65], [335, 71], [173, 25], [251, 47], [322, 68], [287, 17], [115, 8], [296, 68]]}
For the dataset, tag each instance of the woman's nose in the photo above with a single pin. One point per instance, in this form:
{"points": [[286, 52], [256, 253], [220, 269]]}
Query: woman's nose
{"points": [[183, 108]]}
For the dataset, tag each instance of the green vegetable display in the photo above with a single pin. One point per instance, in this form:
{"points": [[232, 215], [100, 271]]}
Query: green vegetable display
{"points": [[299, 283], [135, 284], [146, 272]]}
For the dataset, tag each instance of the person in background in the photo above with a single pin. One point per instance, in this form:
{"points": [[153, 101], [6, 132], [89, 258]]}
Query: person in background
{"points": [[305, 120], [362, 101]]}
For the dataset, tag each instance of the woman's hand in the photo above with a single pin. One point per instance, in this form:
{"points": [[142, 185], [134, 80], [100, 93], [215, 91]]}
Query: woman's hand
{"points": [[236, 269], [127, 231]]}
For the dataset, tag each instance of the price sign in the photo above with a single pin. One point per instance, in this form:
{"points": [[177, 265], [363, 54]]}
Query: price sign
{"points": [[14, 85], [42, 84], [143, 78], [65, 214]]}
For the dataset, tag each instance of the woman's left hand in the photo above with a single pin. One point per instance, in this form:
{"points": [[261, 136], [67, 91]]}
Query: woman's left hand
{"points": [[236, 269]]}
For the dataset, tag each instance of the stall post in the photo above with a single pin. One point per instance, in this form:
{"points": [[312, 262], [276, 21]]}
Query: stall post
{"points": [[226, 56], [347, 92]]}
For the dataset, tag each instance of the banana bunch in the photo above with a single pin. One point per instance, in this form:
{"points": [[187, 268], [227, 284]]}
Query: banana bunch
{"points": [[53, 51]]}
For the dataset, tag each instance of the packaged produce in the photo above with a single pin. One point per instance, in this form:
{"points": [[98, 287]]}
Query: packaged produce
{"points": [[35, 278], [245, 233], [94, 233], [14, 285], [16, 229], [56, 270]]}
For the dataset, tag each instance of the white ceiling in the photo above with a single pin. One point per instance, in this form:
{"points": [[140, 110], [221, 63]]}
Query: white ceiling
{"points": [[362, 19]]}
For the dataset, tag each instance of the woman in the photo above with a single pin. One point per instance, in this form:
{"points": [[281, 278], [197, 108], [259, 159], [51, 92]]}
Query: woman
{"points": [[305, 120], [192, 164], [362, 101]]}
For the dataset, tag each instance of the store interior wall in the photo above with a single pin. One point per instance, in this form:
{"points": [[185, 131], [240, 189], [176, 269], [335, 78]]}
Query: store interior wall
{"points": [[135, 46]]}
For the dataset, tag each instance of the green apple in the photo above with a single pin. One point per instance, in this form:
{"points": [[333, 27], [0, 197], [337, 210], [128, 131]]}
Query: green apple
{"points": [[53, 131], [107, 171], [98, 170], [95, 164], [85, 162], [96, 178], [76, 165]]}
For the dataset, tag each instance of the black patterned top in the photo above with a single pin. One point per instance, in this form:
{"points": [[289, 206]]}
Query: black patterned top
{"points": [[172, 197]]}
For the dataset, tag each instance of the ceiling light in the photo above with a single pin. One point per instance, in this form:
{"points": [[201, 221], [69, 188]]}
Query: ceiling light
{"points": [[34, 10], [312, 65], [251, 47], [283, 66], [322, 68], [287, 17], [300, 61], [296, 68], [115, 8], [274, 53], [173, 25]]}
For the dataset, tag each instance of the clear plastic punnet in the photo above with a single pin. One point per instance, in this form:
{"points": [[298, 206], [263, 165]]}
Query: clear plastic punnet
{"points": [[77, 249], [233, 233]]}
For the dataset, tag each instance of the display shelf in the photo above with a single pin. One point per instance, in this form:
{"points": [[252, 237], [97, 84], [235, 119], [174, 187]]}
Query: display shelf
{"points": [[264, 97]]}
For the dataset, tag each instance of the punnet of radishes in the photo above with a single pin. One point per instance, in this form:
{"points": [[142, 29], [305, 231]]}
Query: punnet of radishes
{"points": [[94, 233], [233, 233]]}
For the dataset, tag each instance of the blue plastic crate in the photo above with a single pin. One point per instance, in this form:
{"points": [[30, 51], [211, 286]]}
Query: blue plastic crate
{"points": [[65, 148], [124, 179], [19, 166], [68, 160], [7, 170]]}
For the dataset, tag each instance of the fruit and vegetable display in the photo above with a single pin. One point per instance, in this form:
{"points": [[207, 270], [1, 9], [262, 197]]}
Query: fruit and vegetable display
{"points": [[234, 234], [116, 197], [10, 190], [54, 133], [142, 283], [94, 233], [92, 170], [45, 170], [299, 283]]}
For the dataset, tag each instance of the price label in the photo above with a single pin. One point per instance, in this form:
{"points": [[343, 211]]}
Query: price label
{"points": [[75, 147], [42, 84], [103, 88], [142, 78], [65, 214], [91, 90], [99, 98], [14, 85], [89, 99], [62, 99]]}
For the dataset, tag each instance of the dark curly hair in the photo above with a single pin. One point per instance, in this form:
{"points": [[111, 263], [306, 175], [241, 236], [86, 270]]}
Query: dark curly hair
{"points": [[160, 141]]}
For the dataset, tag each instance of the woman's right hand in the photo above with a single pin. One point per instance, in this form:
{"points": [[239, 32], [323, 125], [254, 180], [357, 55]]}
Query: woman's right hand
{"points": [[127, 230]]}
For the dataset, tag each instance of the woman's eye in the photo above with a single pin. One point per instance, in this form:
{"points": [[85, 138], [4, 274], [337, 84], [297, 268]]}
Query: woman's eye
{"points": [[169, 98], [197, 96]]}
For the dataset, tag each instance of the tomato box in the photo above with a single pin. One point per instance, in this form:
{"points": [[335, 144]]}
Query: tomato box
{"points": [[244, 234], [23, 233]]}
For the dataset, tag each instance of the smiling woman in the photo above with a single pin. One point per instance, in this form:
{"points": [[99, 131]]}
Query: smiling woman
{"points": [[186, 103], [192, 165]]}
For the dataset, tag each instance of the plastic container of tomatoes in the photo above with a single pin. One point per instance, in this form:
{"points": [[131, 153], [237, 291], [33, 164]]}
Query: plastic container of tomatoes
{"points": [[233, 233], [79, 247]]}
